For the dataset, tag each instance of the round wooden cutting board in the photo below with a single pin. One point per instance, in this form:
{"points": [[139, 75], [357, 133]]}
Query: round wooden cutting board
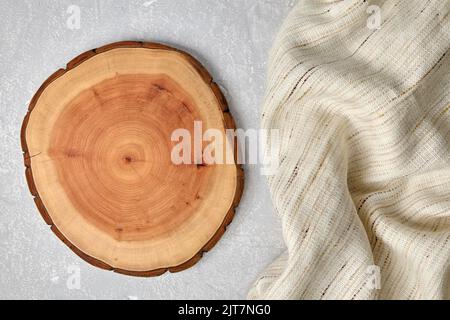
{"points": [[97, 143]]}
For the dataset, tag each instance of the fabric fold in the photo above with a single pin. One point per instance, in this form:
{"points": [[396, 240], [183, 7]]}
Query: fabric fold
{"points": [[360, 93]]}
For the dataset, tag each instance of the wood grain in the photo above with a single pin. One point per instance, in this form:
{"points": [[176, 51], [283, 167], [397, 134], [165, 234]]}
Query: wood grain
{"points": [[96, 145]]}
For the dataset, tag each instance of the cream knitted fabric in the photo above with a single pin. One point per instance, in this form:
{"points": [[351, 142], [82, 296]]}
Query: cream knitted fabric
{"points": [[364, 175]]}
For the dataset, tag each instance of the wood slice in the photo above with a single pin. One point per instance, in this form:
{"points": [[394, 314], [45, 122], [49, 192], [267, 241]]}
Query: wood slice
{"points": [[97, 149]]}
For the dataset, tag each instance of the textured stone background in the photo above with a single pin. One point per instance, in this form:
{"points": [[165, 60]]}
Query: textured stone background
{"points": [[231, 38]]}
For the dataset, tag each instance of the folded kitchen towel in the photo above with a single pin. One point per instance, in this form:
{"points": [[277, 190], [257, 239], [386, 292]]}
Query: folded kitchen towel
{"points": [[360, 93]]}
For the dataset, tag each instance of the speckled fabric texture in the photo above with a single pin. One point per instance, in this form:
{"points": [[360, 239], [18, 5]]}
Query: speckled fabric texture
{"points": [[364, 179]]}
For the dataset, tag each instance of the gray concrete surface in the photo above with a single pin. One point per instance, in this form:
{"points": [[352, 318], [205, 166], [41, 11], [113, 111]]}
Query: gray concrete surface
{"points": [[231, 38]]}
